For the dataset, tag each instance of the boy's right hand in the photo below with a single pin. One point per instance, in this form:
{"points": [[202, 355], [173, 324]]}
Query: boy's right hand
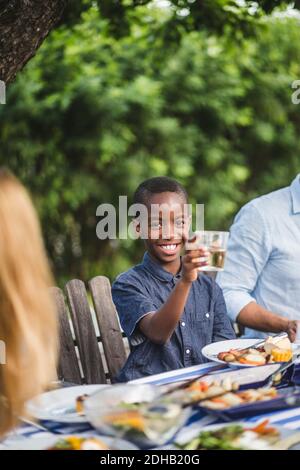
{"points": [[191, 261]]}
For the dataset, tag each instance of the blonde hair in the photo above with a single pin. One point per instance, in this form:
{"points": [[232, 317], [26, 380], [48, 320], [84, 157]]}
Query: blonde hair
{"points": [[28, 323]]}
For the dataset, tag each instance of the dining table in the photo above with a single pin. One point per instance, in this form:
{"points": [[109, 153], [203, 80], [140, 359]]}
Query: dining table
{"points": [[198, 418]]}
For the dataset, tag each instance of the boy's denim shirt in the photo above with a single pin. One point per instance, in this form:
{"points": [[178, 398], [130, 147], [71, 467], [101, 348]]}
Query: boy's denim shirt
{"points": [[144, 289]]}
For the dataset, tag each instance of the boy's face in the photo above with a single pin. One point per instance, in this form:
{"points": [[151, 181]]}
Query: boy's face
{"points": [[168, 223]]}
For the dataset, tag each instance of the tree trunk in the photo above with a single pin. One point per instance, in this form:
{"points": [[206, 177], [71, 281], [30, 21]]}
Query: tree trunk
{"points": [[24, 24]]}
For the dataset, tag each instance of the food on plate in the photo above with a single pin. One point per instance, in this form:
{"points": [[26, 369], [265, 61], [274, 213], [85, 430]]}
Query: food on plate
{"points": [[144, 418], [281, 355], [220, 394], [127, 420], [240, 398], [280, 350], [201, 390], [137, 412], [234, 437], [80, 403], [79, 443], [272, 350], [281, 343]]}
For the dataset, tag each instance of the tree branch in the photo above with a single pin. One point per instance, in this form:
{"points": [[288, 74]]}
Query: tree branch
{"points": [[24, 24]]}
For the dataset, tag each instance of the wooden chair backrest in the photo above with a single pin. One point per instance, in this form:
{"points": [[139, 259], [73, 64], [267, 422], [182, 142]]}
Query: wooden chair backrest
{"points": [[85, 356]]}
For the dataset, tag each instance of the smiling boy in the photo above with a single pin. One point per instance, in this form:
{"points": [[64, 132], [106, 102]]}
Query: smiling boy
{"points": [[168, 310]]}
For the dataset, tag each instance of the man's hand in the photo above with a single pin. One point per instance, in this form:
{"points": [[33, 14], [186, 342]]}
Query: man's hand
{"points": [[291, 330], [191, 261]]}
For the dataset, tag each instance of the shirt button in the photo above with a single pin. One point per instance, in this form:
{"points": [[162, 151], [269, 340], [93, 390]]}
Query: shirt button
{"points": [[183, 323], [207, 315], [188, 351]]}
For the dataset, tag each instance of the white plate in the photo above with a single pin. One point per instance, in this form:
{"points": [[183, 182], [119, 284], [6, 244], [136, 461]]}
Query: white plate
{"points": [[45, 442], [59, 405], [210, 351]]}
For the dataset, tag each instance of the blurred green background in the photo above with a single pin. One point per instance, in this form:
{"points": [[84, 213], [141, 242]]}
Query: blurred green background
{"points": [[116, 96]]}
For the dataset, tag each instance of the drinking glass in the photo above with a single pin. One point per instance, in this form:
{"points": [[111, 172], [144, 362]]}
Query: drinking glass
{"points": [[216, 244]]}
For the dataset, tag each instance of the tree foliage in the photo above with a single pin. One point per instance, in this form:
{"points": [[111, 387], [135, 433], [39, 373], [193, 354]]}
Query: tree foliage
{"points": [[93, 114], [184, 15]]}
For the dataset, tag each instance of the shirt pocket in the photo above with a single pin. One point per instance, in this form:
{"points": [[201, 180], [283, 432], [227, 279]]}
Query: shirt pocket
{"points": [[202, 328]]}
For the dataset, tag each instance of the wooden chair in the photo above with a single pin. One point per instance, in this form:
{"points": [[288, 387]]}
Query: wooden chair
{"points": [[86, 357], [68, 366], [108, 323]]}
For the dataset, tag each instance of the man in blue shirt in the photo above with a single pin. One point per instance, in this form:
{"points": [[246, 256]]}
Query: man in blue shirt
{"points": [[261, 278], [167, 309]]}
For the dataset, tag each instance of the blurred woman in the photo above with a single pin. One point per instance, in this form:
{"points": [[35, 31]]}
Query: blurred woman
{"points": [[28, 323]]}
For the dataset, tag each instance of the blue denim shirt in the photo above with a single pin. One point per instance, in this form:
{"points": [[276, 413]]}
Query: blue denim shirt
{"points": [[144, 289]]}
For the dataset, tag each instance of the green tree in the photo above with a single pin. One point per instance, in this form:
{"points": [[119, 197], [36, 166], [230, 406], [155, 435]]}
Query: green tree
{"points": [[92, 115]]}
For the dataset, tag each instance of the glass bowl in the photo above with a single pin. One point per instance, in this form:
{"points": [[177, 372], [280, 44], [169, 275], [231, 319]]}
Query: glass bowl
{"points": [[136, 413]]}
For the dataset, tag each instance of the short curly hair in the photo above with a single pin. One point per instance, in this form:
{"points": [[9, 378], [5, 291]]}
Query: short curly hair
{"points": [[156, 185]]}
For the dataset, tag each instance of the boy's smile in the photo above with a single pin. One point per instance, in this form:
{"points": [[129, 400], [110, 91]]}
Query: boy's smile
{"points": [[169, 248]]}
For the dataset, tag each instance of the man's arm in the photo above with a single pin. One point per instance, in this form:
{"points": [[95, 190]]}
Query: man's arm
{"points": [[160, 325], [249, 249], [261, 319]]}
